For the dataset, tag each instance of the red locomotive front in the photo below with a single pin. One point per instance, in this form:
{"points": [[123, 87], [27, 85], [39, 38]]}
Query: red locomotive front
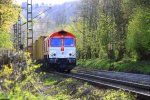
{"points": [[60, 51]]}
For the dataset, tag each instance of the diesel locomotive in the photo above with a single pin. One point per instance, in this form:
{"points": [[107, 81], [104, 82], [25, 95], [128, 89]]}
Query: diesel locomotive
{"points": [[57, 51]]}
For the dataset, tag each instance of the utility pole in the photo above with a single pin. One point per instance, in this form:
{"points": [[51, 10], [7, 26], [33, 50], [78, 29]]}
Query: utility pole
{"points": [[15, 35], [19, 32], [29, 27]]}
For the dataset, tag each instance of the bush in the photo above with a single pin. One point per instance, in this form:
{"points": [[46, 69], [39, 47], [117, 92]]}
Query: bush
{"points": [[125, 65], [18, 78]]}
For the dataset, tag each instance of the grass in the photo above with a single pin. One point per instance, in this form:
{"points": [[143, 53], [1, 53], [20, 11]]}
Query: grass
{"points": [[72, 89], [142, 67]]}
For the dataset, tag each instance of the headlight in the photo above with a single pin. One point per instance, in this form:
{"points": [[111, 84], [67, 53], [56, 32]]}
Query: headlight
{"points": [[53, 54], [72, 54]]}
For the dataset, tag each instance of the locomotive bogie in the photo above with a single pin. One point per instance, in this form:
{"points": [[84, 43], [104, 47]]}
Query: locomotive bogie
{"points": [[63, 63]]}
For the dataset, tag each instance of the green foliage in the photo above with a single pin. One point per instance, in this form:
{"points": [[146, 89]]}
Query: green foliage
{"points": [[118, 95], [125, 65], [103, 64], [142, 67], [139, 33], [50, 80], [142, 3], [17, 77], [123, 23], [99, 26], [9, 13], [5, 41]]}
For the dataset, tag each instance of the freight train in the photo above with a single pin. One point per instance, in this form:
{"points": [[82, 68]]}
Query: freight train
{"points": [[57, 51]]}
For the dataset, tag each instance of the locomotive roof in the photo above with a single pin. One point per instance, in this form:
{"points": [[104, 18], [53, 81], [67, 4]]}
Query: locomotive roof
{"points": [[60, 33]]}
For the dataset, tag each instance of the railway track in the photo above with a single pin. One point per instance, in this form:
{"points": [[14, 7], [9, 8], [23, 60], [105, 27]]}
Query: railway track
{"points": [[130, 77], [142, 90]]}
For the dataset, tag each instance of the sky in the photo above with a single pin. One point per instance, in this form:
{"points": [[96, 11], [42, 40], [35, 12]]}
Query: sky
{"points": [[52, 2]]}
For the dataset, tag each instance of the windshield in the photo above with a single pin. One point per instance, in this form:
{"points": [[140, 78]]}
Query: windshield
{"points": [[55, 42], [68, 42]]}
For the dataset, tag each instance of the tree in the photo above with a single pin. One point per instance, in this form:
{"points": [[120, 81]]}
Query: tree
{"points": [[104, 25], [9, 13], [139, 33]]}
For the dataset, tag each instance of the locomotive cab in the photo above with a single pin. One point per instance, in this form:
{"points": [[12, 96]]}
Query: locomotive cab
{"points": [[61, 51]]}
